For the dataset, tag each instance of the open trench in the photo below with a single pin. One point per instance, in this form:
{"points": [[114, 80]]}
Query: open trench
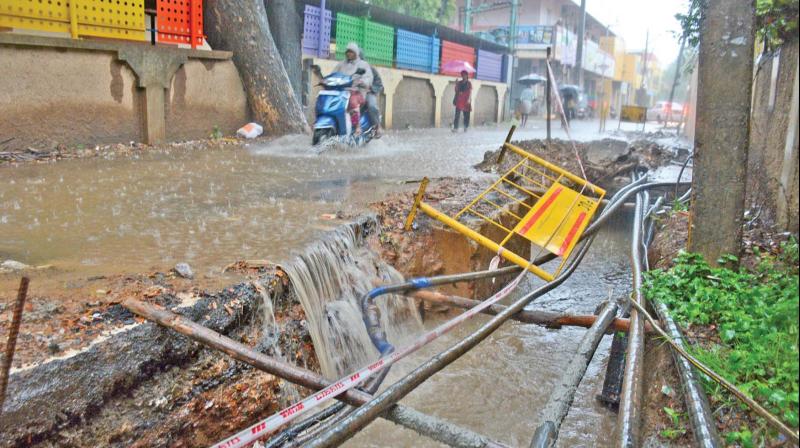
{"points": [[147, 386]]}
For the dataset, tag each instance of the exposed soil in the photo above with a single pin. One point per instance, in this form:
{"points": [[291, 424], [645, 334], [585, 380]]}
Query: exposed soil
{"points": [[58, 152], [155, 388], [606, 162]]}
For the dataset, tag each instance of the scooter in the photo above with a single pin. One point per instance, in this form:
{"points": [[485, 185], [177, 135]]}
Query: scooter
{"points": [[332, 120]]}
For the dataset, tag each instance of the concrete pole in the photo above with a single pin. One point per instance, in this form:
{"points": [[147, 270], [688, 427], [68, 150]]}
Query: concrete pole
{"points": [[512, 46], [579, 51], [641, 93], [723, 127], [468, 17]]}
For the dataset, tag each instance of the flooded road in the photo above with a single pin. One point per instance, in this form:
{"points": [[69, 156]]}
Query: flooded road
{"points": [[131, 214], [499, 387]]}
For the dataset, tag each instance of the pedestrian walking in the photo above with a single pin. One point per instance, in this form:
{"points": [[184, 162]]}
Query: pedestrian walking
{"points": [[525, 104], [462, 100]]}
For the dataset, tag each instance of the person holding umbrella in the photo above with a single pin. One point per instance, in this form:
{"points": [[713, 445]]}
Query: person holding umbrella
{"points": [[526, 97], [525, 104], [463, 100]]}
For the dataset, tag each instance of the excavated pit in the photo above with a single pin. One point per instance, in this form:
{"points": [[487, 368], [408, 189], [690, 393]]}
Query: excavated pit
{"points": [[143, 385]]}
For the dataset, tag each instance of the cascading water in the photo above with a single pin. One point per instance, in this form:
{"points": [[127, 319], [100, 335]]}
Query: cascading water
{"points": [[329, 279]]}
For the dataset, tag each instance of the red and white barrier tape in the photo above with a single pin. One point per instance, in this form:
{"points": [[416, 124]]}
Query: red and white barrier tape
{"points": [[269, 425], [560, 105]]}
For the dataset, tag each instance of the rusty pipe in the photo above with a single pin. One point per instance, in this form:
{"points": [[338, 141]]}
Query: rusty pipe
{"points": [[13, 332], [547, 319]]}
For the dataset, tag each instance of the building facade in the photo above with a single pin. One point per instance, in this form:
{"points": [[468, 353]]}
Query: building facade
{"points": [[611, 76]]}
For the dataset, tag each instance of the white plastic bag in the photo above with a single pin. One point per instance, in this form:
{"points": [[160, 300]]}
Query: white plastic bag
{"points": [[250, 130]]}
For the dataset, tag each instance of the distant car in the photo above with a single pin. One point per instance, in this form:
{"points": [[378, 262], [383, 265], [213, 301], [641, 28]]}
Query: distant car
{"points": [[660, 112]]}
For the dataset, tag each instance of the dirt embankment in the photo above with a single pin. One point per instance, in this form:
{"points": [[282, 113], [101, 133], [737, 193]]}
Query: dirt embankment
{"points": [[146, 386], [607, 163]]}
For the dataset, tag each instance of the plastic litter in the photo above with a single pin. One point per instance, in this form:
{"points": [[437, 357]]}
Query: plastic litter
{"points": [[250, 130]]}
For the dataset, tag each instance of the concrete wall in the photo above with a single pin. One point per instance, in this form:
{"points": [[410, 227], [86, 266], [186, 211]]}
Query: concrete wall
{"points": [[772, 160], [414, 103], [484, 109], [49, 96], [195, 103], [447, 110], [61, 91], [419, 96]]}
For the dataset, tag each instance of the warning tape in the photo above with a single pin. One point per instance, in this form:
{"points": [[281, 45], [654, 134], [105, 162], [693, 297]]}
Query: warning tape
{"points": [[270, 424]]}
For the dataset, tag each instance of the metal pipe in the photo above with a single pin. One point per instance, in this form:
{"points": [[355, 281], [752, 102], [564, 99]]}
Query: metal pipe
{"points": [[13, 332], [680, 173], [704, 426], [563, 395], [386, 399], [547, 319], [629, 418], [429, 426], [757, 408]]}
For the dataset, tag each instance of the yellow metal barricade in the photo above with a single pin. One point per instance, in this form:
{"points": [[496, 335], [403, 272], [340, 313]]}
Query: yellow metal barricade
{"points": [[101, 18], [534, 200]]}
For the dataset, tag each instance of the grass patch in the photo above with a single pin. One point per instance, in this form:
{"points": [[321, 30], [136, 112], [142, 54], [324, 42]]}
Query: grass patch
{"points": [[749, 323]]}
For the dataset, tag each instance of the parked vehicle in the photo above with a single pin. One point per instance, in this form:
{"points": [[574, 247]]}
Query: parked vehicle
{"points": [[332, 120], [661, 112]]}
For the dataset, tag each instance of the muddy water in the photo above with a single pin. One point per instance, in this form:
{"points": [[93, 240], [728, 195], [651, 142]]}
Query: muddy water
{"points": [[499, 387], [209, 208]]}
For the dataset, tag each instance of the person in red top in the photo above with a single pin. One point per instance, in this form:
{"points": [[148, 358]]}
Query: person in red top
{"points": [[463, 100]]}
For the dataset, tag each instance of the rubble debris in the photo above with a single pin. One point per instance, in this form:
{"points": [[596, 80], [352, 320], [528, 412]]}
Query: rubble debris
{"points": [[13, 265], [184, 270]]}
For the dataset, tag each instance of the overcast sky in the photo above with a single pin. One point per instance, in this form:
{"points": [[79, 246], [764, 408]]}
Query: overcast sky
{"points": [[631, 20]]}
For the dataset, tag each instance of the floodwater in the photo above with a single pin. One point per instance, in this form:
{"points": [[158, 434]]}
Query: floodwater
{"points": [[209, 208], [498, 388]]}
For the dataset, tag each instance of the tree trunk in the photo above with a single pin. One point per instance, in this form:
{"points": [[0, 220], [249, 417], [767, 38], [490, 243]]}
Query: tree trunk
{"points": [[285, 25], [241, 26], [723, 127]]}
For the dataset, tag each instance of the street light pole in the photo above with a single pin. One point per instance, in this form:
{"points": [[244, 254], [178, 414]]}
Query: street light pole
{"points": [[579, 51], [512, 45], [468, 17]]}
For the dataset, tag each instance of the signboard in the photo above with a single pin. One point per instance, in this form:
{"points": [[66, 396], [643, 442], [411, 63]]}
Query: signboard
{"points": [[633, 114], [558, 219]]}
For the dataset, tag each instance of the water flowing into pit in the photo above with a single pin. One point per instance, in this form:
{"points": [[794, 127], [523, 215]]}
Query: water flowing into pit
{"points": [[329, 278]]}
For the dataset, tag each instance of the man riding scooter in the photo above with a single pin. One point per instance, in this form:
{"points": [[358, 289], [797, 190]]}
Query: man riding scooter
{"points": [[361, 73]]}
